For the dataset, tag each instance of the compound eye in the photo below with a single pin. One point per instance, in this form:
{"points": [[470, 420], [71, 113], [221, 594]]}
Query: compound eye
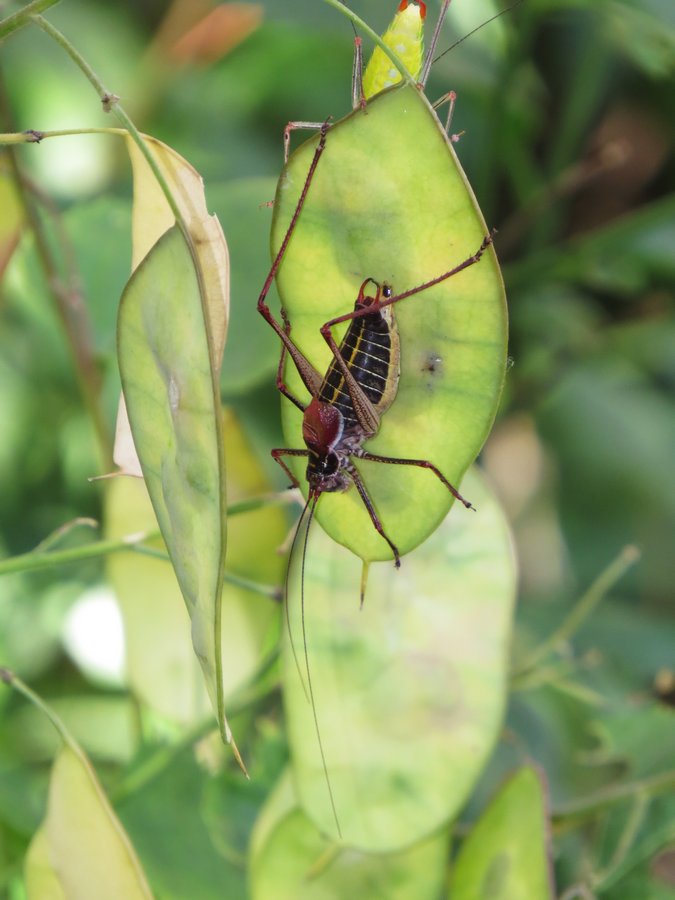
{"points": [[387, 291], [331, 464]]}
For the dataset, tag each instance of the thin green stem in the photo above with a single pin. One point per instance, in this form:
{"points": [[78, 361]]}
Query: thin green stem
{"points": [[35, 137], [66, 294], [43, 559], [583, 608], [111, 103], [21, 18], [154, 765], [14, 681], [30, 562], [375, 37], [598, 800]]}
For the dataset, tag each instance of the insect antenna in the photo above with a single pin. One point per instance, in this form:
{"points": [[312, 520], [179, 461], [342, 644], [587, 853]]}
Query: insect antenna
{"points": [[314, 498], [298, 528], [477, 28]]}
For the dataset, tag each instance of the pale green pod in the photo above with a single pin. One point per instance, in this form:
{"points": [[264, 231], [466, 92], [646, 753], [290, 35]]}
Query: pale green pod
{"points": [[405, 37], [389, 201]]}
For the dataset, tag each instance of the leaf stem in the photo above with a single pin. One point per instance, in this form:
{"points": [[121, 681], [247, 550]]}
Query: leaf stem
{"points": [[9, 678], [43, 558], [21, 18], [375, 37], [583, 608], [111, 103], [33, 136], [598, 800]]}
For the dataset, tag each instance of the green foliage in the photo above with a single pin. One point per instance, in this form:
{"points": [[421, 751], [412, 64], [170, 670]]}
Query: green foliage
{"points": [[565, 112]]}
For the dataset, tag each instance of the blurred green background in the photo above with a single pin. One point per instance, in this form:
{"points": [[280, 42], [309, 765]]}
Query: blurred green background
{"points": [[566, 111]]}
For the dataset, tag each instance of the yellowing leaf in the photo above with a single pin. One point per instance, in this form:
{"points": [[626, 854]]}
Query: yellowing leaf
{"points": [[405, 37], [151, 218], [410, 690], [161, 665], [81, 851], [172, 399]]}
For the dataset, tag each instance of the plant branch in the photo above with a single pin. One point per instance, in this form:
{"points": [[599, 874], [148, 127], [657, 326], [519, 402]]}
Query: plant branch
{"points": [[21, 18], [583, 608], [375, 37], [42, 558], [111, 103]]}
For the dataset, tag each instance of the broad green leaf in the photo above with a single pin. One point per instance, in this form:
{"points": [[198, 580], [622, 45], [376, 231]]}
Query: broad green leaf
{"points": [[505, 856], [405, 37], [151, 218], [161, 665], [81, 851], [409, 690], [290, 858], [174, 411], [389, 201]]}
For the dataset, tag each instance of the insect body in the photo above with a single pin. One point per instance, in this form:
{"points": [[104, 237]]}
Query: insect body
{"points": [[360, 385]]}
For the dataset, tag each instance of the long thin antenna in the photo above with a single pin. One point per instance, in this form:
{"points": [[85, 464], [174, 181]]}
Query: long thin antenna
{"points": [[309, 677], [288, 616], [477, 28]]}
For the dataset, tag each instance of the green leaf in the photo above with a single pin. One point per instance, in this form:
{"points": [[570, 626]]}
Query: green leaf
{"points": [[505, 856], [81, 850], [290, 858], [410, 690], [389, 201], [174, 411], [161, 665], [405, 36]]}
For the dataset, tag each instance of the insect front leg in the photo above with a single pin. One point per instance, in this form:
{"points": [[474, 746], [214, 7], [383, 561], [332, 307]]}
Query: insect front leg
{"points": [[311, 378], [281, 384], [422, 463], [278, 452], [374, 518]]}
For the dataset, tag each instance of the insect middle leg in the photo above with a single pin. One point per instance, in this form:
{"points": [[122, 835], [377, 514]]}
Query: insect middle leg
{"points": [[355, 389], [278, 452], [423, 464]]}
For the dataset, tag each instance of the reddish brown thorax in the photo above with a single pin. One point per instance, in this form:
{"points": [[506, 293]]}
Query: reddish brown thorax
{"points": [[321, 426]]}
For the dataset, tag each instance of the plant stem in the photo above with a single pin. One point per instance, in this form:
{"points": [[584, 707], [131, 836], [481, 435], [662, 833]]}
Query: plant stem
{"points": [[35, 137], [111, 103], [34, 560], [14, 681], [375, 37], [597, 801], [22, 17], [583, 608], [67, 296]]}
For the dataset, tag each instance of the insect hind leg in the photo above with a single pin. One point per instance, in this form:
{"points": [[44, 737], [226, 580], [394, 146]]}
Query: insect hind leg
{"points": [[422, 464]]}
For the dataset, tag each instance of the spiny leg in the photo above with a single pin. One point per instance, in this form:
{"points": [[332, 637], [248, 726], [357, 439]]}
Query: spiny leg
{"points": [[362, 405], [429, 58], [450, 98], [374, 518], [423, 464], [278, 452], [281, 384], [396, 298], [311, 378]]}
